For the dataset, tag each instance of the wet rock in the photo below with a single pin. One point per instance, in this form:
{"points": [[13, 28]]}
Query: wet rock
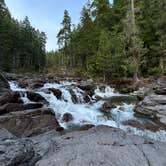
{"points": [[122, 109], [73, 96], [107, 106], [133, 123], [13, 107], [142, 93], [86, 98], [161, 91], [153, 100], [10, 97], [29, 122], [10, 107], [32, 106], [86, 127], [88, 87], [56, 92], [160, 87], [15, 151], [67, 117], [36, 85], [23, 83], [153, 106], [35, 97], [143, 126]]}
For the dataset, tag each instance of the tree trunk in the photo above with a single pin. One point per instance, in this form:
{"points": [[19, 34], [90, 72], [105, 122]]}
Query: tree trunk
{"points": [[161, 65]]}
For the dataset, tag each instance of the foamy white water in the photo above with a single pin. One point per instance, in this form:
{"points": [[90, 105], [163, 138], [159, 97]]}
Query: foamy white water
{"points": [[108, 92], [88, 113]]}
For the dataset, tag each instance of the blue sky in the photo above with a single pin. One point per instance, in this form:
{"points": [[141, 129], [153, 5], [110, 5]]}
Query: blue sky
{"points": [[46, 15]]}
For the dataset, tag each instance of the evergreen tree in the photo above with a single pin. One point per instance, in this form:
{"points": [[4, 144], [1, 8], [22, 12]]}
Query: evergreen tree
{"points": [[64, 37], [103, 58], [134, 45], [21, 46]]}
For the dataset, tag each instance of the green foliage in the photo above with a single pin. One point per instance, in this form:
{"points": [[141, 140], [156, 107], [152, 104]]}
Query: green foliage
{"points": [[64, 33], [21, 46], [110, 42], [103, 56]]}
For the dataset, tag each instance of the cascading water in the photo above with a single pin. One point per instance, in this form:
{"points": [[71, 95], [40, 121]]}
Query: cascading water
{"points": [[90, 113]]}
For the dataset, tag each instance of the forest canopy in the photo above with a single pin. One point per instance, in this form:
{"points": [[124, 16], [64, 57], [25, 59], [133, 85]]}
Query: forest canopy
{"points": [[111, 40]]}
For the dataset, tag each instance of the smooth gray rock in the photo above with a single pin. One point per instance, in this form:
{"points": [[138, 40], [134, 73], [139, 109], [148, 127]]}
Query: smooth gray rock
{"points": [[153, 106], [101, 146], [15, 152]]}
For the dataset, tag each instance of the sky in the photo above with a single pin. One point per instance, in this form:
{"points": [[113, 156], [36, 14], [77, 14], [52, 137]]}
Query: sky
{"points": [[46, 15]]}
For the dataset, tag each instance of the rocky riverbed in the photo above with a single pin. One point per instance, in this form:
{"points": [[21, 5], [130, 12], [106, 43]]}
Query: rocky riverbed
{"points": [[46, 120]]}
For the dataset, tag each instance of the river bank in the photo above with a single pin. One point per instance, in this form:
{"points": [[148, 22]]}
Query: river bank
{"points": [[33, 106]]}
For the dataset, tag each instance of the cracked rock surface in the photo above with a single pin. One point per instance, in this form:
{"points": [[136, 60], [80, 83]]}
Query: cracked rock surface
{"points": [[100, 146]]}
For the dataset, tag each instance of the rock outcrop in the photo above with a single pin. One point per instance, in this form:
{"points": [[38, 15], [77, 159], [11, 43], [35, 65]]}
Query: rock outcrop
{"points": [[154, 104], [57, 93], [97, 146], [14, 151], [102, 146], [29, 122], [35, 97]]}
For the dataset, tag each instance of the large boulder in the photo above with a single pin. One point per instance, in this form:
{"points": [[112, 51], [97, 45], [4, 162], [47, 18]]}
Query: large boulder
{"points": [[88, 87], [30, 122], [10, 97], [154, 107], [86, 98], [31, 106], [23, 83], [15, 151], [56, 92], [13, 107], [160, 87], [142, 92], [73, 96], [35, 97], [10, 107], [38, 82], [67, 117], [97, 146], [143, 126], [100, 146], [31, 83], [107, 106]]}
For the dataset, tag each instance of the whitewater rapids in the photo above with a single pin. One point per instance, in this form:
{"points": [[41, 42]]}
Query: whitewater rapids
{"points": [[88, 113]]}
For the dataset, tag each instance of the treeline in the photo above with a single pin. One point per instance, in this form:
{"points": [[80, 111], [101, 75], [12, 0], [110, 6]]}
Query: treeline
{"points": [[114, 40], [22, 47]]}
